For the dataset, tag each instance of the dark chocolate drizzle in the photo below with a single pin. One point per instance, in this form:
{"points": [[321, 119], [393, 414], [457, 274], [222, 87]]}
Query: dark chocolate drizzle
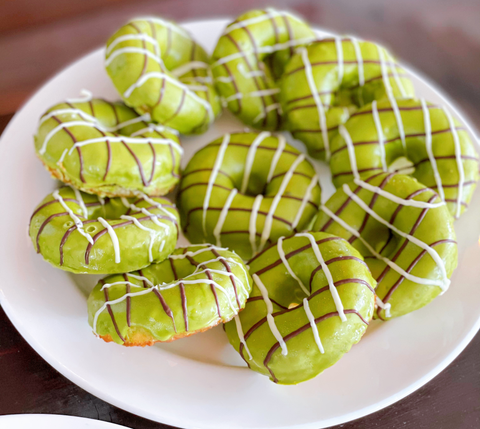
{"points": [[303, 329], [182, 294], [110, 312]]}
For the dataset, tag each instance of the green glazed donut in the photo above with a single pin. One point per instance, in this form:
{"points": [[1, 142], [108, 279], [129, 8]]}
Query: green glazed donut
{"points": [[383, 136], [312, 299], [327, 80], [159, 69], [404, 232], [107, 149], [193, 290], [250, 57], [246, 190], [84, 233]]}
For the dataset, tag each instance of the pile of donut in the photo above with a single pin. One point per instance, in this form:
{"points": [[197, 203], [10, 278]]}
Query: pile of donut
{"points": [[295, 280]]}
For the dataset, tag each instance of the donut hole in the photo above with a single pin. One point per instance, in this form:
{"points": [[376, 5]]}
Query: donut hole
{"points": [[256, 186], [91, 229], [68, 224]]}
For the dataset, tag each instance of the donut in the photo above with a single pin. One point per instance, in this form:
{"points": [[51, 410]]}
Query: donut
{"points": [[107, 149], [193, 290], [246, 190], [405, 233], [408, 133], [312, 299], [327, 80], [84, 233], [249, 59], [159, 69]]}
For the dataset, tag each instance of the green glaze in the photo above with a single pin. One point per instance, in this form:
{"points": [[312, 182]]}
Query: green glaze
{"points": [[192, 278], [304, 359], [344, 82], [53, 232], [280, 179], [107, 149], [159, 69], [432, 226], [250, 57], [368, 157]]}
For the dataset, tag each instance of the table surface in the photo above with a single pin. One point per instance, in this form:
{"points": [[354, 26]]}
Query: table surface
{"points": [[441, 38]]}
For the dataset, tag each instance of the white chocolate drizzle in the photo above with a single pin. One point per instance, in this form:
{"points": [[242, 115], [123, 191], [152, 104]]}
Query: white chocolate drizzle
{"points": [[305, 200], [252, 227], [273, 207], [339, 48], [327, 273], [188, 67], [353, 163], [241, 337], [170, 25], [152, 233], [213, 177], [284, 260], [87, 96], [252, 151], [428, 147], [271, 13], [142, 36], [430, 250], [132, 50], [360, 65], [270, 319], [276, 157], [159, 75], [377, 255], [380, 136], [269, 49], [322, 119], [73, 216], [114, 238], [384, 306], [314, 326], [458, 159], [223, 215], [388, 88], [81, 203]]}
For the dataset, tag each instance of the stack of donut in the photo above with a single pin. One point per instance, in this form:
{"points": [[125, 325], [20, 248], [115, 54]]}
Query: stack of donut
{"points": [[296, 281]]}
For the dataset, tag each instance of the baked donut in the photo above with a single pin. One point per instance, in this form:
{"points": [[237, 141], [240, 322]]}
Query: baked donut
{"points": [[193, 290], [159, 69], [106, 149], [312, 299], [84, 233], [328, 79], [250, 57], [404, 232], [383, 136], [245, 190]]}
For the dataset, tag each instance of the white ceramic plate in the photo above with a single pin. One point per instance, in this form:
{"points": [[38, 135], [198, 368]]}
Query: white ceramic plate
{"points": [[201, 382], [52, 421]]}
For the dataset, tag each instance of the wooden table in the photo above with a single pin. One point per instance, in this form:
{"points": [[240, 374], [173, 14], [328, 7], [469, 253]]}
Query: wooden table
{"points": [[439, 37]]}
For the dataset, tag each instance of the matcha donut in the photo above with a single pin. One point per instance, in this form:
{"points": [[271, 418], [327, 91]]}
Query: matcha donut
{"points": [[84, 233], [383, 136], [327, 80], [404, 232], [246, 190], [107, 149], [159, 69], [250, 57], [193, 290], [312, 299]]}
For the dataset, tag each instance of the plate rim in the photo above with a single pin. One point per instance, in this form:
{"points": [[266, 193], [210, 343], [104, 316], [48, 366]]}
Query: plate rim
{"points": [[167, 419]]}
